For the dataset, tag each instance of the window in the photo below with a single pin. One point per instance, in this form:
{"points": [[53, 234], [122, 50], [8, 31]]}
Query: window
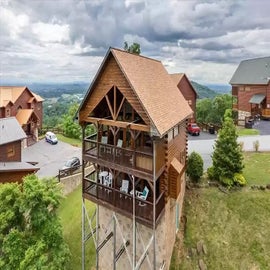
{"points": [[189, 102], [11, 151], [7, 112]]}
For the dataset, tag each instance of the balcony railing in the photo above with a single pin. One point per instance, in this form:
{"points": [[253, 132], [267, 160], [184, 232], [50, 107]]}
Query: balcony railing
{"points": [[139, 159], [123, 202]]}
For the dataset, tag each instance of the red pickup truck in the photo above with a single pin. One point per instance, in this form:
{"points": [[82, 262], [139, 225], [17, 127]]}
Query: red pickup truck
{"points": [[193, 129]]}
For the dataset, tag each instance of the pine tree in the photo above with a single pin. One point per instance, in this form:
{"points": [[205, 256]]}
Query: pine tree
{"points": [[228, 156]]}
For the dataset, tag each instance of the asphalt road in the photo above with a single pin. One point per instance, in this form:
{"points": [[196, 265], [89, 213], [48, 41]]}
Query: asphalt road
{"points": [[50, 158], [204, 144]]}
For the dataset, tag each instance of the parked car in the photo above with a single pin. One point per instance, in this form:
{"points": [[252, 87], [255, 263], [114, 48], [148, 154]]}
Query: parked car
{"points": [[51, 138], [193, 129], [73, 163]]}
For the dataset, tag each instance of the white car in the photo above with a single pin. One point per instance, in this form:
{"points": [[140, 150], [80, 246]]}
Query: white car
{"points": [[51, 138]]}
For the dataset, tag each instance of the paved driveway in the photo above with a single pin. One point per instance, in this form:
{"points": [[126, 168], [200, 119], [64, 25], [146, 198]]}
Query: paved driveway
{"points": [[263, 126], [50, 158], [204, 145]]}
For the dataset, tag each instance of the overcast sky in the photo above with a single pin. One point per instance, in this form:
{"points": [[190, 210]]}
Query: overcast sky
{"points": [[66, 40]]}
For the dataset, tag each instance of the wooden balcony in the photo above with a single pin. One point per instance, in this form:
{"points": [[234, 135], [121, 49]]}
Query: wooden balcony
{"points": [[139, 160], [123, 202]]}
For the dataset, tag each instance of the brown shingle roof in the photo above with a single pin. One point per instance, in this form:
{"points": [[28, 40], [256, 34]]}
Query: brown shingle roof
{"points": [[38, 97], [158, 94], [177, 77], [23, 116], [11, 93]]}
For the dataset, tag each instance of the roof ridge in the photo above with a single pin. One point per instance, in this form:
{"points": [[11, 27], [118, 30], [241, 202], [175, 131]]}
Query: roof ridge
{"points": [[257, 58], [142, 56]]}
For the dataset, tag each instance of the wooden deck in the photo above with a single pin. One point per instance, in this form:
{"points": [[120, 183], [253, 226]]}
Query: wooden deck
{"points": [[123, 203], [139, 160]]}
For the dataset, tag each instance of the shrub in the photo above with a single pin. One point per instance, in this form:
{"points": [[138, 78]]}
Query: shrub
{"points": [[226, 181], [195, 166], [210, 173], [256, 145], [239, 179]]}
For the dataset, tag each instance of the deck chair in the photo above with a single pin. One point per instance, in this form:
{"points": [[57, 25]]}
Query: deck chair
{"points": [[143, 194], [108, 180], [124, 187]]}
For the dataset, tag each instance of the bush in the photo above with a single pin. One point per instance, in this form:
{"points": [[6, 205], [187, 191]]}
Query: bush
{"points": [[210, 173], [226, 181], [195, 166], [256, 145], [239, 179]]}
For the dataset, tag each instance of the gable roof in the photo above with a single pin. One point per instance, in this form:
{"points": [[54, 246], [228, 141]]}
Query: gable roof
{"points": [[177, 77], [12, 93], [10, 130], [17, 166], [252, 71], [151, 83], [23, 116]]}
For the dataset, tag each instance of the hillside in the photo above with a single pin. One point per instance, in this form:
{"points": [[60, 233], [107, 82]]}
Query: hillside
{"points": [[203, 91], [56, 90]]}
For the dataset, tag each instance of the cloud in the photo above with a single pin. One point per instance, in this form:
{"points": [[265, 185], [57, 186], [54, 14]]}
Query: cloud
{"points": [[51, 32], [70, 36]]}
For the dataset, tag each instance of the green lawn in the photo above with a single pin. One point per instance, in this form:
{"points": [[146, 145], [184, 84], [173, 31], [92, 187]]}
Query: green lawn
{"points": [[70, 214], [247, 131], [233, 226], [74, 142], [257, 168]]}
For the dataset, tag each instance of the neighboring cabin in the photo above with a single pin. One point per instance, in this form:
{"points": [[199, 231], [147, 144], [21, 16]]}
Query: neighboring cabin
{"points": [[187, 90], [251, 88], [26, 106], [141, 144], [12, 169]]}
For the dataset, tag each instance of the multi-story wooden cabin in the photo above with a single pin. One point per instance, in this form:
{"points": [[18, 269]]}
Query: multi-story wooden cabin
{"points": [[139, 157], [251, 88], [187, 90], [12, 168], [26, 106]]}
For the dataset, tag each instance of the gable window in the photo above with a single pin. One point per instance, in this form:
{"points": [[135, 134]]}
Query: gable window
{"points": [[189, 102], [7, 112], [10, 151]]}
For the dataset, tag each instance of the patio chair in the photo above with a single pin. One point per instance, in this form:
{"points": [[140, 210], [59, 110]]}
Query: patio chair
{"points": [[143, 194], [124, 187], [108, 181]]}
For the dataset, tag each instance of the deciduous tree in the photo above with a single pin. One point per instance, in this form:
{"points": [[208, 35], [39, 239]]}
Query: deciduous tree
{"points": [[30, 232], [133, 48]]}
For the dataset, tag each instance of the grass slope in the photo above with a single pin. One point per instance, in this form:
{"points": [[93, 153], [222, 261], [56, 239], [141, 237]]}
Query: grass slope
{"points": [[233, 226], [70, 214]]}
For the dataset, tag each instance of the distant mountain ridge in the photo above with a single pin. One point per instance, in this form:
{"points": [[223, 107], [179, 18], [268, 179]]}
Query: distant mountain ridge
{"points": [[57, 89], [203, 91]]}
